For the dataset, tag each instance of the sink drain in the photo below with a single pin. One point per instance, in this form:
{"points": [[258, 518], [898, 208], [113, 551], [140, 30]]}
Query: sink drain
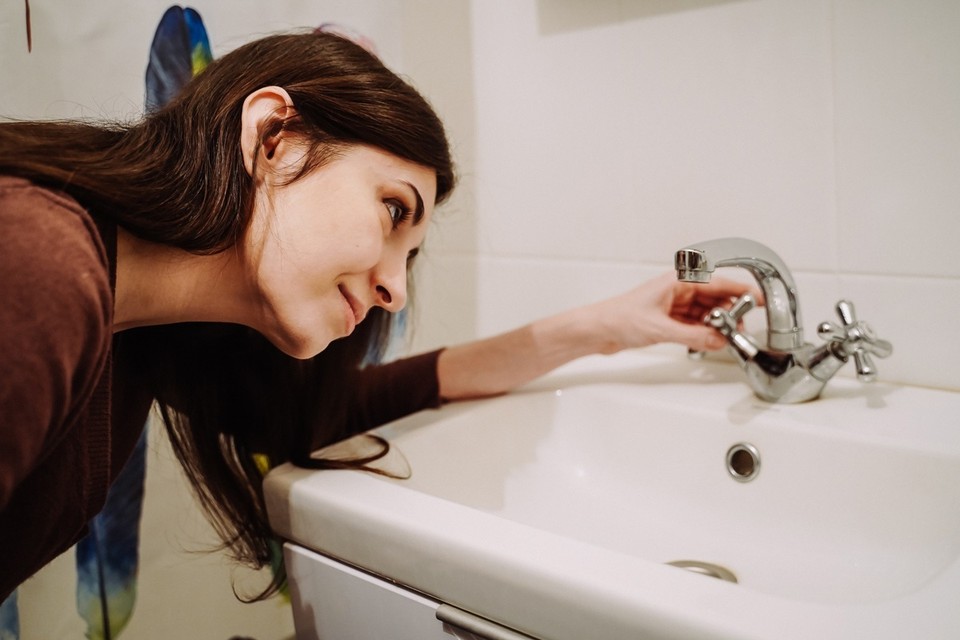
{"points": [[706, 569], [743, 462]]}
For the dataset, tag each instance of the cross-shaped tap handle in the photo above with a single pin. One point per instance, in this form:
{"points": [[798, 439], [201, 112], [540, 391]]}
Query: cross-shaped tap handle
{"points": [[855, 338], [726, 320]]}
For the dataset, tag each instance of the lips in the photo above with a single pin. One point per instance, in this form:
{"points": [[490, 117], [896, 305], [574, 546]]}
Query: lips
{"points": [[357, 310]]}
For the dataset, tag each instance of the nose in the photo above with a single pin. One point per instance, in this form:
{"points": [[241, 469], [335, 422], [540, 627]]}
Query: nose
{"points": [[390, 284]]}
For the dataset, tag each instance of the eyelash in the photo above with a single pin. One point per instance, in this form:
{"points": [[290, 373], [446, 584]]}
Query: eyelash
{"points": [[398, 212]]}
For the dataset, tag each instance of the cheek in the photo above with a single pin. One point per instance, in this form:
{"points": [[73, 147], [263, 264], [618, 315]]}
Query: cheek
{"points": [[358, 244], [338, 233]]}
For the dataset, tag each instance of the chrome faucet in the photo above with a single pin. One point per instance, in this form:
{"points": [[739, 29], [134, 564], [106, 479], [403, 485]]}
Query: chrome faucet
{"points": [[785, 369]]}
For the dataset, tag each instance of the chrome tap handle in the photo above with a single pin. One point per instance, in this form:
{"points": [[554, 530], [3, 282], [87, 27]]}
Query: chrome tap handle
{"points": [[855, 338], [740, 307], [725, 321]]}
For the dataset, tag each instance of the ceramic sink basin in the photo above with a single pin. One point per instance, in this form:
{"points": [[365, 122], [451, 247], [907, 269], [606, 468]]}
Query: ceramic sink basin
{"points": [[557, 510], [828, 517]]}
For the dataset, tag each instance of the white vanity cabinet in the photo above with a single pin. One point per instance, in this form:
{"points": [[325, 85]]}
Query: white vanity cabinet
{"points": [[332, 601]]}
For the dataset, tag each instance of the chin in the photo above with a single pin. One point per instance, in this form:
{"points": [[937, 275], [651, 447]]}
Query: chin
{"points": [[299, 346], [301, 331], [304, 354]]}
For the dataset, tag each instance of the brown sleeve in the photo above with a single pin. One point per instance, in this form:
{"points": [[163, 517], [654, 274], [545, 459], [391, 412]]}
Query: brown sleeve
{"points": [[391, 391], [55, 317]]}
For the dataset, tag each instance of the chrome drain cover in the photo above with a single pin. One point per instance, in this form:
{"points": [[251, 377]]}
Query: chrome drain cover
{"points": [[743, 462]]}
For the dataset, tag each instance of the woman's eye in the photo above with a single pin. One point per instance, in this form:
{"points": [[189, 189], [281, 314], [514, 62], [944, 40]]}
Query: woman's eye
{"points": [[398, 212]]}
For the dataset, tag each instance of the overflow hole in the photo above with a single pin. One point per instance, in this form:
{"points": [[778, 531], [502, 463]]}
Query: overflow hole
{"points": [[743, 462]]}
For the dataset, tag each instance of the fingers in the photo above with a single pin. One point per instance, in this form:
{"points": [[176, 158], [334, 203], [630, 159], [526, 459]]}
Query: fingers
{"points": [[699, 338]]}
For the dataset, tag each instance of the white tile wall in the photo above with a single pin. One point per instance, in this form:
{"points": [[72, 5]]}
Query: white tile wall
{"points": [[610, 133], [897, 66]]}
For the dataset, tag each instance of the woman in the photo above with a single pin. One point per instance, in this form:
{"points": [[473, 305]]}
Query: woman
{"points": [[235, 257]]}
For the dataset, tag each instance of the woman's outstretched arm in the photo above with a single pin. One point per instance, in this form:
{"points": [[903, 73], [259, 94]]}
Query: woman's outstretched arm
{"points": [[659, 310]]}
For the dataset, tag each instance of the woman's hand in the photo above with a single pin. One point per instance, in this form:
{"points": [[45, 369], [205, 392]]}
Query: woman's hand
{"points": [[666, 310]]}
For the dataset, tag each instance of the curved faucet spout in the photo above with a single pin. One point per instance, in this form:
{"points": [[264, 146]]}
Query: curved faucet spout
{"points": [[697, 262]]}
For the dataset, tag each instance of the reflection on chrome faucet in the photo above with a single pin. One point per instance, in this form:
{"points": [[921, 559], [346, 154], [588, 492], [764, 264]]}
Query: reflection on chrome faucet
{"points": [[785, 369]]}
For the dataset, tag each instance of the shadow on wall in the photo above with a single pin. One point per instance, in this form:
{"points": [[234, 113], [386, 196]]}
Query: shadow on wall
{"points": [[559, 16]]}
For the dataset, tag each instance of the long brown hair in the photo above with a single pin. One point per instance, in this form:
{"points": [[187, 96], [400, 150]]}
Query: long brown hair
{"points": [[177, 177]]}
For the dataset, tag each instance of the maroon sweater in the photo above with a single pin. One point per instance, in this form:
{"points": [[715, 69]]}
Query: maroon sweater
{"points": [[71, 404]]}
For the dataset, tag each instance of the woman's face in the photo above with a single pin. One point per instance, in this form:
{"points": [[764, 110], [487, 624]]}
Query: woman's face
{"points": [[326, 248]]}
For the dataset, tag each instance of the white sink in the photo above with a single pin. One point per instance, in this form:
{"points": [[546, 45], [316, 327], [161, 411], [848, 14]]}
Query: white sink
{"points": [[555, 510]]}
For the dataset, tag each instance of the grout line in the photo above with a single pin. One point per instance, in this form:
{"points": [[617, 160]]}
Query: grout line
{"points": [[625, 264]]}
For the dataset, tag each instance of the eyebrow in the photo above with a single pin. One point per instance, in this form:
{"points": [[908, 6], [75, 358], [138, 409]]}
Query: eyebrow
{"points": [[418, 210]]}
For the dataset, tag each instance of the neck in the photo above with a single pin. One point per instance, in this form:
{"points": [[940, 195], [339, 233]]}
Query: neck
{"points": [[159, 284]]}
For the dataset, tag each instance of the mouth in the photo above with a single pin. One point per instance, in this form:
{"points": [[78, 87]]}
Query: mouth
{"points": [[357, 311]]}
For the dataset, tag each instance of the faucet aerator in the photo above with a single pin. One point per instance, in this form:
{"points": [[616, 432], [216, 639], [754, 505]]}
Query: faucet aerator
{"points": [[692, 266], [684, 275]]}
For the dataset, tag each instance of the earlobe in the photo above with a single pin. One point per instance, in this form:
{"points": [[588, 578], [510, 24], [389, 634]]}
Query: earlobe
{"points": [[262, 117]]}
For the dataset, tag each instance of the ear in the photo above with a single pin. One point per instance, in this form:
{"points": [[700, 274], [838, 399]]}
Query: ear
{"points": [[261, 109]]}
